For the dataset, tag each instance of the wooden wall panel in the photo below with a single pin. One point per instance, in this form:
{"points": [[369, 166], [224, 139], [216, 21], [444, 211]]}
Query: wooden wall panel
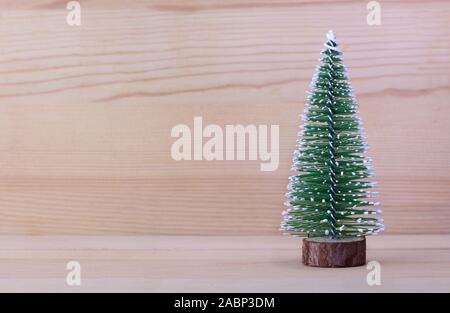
{"points": [[86, 112]]}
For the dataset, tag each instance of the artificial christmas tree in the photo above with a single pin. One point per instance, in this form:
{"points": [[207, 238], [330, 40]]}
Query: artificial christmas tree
{"points": [[329, 198]]}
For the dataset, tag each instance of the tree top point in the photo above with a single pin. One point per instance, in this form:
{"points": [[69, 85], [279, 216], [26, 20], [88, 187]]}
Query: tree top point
{"points": [[331, 35]]}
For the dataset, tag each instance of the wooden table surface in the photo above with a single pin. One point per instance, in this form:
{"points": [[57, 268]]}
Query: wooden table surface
{"points": [[215, 264]]}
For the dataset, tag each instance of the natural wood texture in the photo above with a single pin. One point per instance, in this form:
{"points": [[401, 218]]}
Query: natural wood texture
{"points": [[326, 252], [86, 112], [216, 264]]}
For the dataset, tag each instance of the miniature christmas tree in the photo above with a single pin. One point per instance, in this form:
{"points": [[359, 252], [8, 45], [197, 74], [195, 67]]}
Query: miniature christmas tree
{"points": [[330, 194]]}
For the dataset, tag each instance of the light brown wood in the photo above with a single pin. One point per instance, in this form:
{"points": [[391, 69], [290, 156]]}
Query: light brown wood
{"points": [[86, 112], [215, 264]]}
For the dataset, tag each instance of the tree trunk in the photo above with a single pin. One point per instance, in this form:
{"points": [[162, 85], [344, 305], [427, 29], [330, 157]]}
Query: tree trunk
{"points": [[328, 252]]}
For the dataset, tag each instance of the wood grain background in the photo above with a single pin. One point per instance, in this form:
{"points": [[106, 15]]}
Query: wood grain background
{"points": [[86, 112]]}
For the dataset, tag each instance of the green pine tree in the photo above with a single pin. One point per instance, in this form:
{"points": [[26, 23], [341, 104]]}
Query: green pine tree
{"points": [[330, 193]]}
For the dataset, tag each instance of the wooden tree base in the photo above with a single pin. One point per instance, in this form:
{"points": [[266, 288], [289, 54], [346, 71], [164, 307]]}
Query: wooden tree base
{"points": [[328, 252]]}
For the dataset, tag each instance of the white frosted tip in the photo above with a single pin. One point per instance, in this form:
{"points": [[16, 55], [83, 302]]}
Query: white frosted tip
{"points": [[331, 36]]}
